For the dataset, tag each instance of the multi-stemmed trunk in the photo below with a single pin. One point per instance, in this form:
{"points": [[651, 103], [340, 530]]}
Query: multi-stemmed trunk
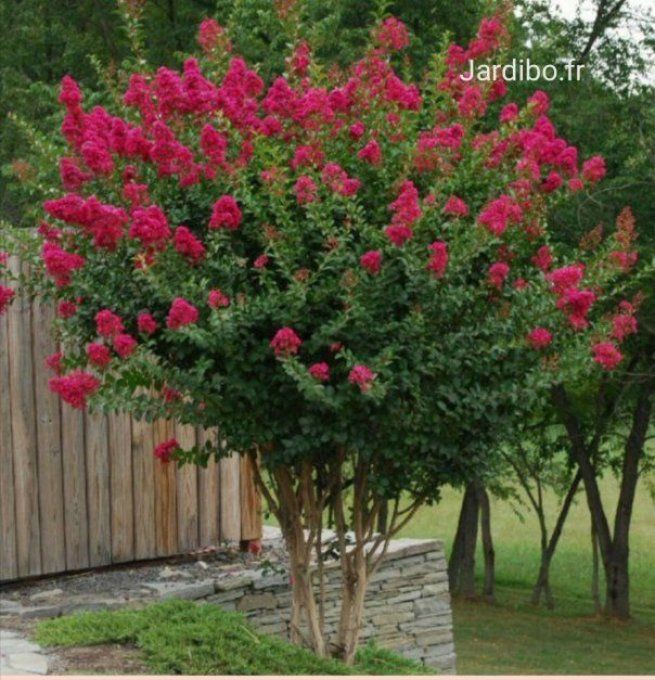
{"points": [[461, 565], [299, 497]]}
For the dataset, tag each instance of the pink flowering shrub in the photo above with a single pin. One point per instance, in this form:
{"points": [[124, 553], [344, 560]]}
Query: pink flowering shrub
{"points": [[339, 268]]}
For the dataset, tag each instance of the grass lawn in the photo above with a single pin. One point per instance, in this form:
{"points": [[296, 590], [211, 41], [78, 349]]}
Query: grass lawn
{"points": [[176, 637], [512, 636]]}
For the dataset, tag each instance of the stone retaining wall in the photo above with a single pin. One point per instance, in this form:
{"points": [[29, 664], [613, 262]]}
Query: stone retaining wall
{"points": [[407, 605]]}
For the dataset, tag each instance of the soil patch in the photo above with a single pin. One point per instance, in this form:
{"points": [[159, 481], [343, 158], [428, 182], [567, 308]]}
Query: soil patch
{"points": [[111, 659]]}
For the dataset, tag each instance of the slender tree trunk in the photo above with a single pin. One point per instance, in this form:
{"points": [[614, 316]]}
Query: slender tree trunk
{"points": [[461, 566], [595, 570], [488, 588], [383, 517], [614, 548], [548, 547]]}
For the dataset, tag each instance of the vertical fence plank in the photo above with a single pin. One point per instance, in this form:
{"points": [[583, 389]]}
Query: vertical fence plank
{"points": [[230, 498], [187, 493], [208, 495], [120, 473], [97, 473], [165, 495], [8, 562], [75, 510], [250, 502], [21, 395], [48, 422], [144, 490]]}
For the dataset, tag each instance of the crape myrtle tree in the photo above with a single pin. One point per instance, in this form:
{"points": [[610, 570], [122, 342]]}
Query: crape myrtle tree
{"points": [[340, 271]]}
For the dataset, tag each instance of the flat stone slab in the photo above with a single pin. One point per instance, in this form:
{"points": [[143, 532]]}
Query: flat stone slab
{"points": [[19, 656]]}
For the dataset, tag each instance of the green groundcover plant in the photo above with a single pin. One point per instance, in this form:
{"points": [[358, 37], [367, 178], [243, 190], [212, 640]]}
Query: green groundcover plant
{"points": [[347, 272]]}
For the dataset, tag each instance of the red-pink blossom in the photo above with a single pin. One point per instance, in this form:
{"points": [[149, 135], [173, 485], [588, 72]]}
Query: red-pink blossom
{"points": [[99, 355], [438, 259], [108, 324], [150, 227], [146, 323], [623, 325], [226, 214], [607, 354], [564, 278], [6, 296], [70, 94], [497, 214], [181, 313], [576, 304], [543, 259], [357, 130], [540, 338], [285, 342], [362, 376], [539, 102], [305, 189], [552, 182], [59, 263], [509, 113], [398, 234], [498, 272], [164, 451], [210, 35], [72, 176], [371, 261], [75, 388], [320, 371], [261, 261], [456, 207], [124, 345], [188, 245], [575, 184], [593, 169], [371, 153], [53, 362], [392, 35], [66, 309], [217, 299]]}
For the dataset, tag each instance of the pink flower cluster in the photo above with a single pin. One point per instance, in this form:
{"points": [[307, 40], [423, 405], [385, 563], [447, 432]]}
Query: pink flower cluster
{"points": [[362, 376], [165, 451], [75, 388], [285, 342], [6, 296], [406, 211], [181, 313]]}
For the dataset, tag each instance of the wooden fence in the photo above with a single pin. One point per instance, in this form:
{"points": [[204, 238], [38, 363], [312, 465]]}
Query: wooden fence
{"points": [[80, 490]]}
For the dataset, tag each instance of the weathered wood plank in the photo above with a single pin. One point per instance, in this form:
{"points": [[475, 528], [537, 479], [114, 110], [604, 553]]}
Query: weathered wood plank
{"points": [[48, 422], [75, 509], [187, 493], [165, 495], [251, 503], [230, 498], [8, 557], [97, 470], [21, 395], [144, 490], [122, 502], [208, 495]]}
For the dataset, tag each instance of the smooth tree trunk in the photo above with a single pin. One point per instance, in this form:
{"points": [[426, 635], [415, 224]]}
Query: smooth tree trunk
{"points": [[595, 571], [488, 552], [613, 545], [461, 566]]}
